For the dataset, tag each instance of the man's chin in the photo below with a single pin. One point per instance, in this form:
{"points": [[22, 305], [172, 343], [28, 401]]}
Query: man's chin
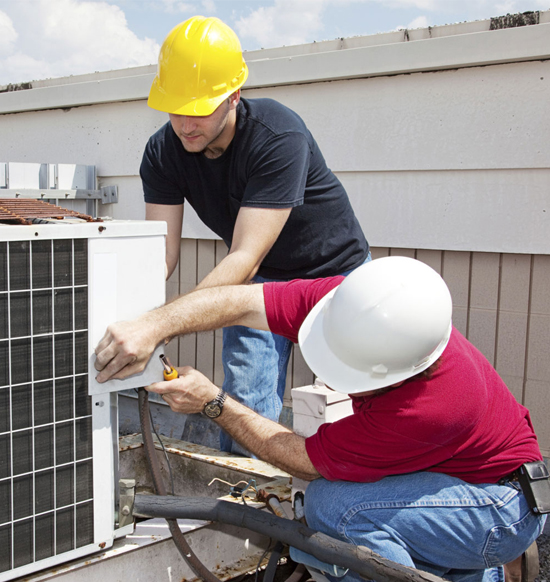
{"points": [[193, 149], [193, 146]]}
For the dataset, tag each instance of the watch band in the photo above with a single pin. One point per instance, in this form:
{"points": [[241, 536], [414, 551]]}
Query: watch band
{"points": [[214, 408]]}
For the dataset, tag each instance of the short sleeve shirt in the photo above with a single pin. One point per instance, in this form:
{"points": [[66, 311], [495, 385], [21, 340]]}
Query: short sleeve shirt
{"points": [[463, 421], [272, 162]]}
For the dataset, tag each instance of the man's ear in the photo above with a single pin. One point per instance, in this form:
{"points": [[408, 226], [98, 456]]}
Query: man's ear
{"points": [[234, 99]]}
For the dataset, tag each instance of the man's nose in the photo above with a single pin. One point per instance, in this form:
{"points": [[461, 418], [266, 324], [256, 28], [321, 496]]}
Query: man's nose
{"points": [[182, 123], [187, 124]]}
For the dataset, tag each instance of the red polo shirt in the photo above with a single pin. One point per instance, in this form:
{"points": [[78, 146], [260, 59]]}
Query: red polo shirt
{"points": [[463, 421]]}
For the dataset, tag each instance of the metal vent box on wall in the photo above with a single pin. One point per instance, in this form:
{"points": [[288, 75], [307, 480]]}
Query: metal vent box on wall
{"points": [[60, 286]]}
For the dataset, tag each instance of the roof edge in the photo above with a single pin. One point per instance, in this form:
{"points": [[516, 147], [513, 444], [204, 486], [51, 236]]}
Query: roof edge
{"points": [[401, 52]]}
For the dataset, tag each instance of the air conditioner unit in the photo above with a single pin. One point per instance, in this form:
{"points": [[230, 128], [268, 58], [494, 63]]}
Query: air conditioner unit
{"points": [[60, 286]]}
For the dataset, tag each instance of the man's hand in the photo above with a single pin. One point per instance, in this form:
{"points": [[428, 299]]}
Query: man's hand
{"points": [[187, 394], [125, 349], [264, 438], [127, 346]]}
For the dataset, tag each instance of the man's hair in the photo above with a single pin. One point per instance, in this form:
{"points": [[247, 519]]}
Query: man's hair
{"points": [[427, 373]]}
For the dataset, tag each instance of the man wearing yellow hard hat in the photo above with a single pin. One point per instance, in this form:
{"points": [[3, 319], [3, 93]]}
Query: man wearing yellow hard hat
{"points": [[254, 174]]}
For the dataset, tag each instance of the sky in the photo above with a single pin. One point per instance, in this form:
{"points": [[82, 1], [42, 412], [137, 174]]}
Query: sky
{"points": [[41, 39]]}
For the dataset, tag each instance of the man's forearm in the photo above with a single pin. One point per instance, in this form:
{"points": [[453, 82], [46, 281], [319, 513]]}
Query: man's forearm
{"points": [[173, 216], [256, 231], [127, 345], [266, 439], [213, 308], [235, 269]]}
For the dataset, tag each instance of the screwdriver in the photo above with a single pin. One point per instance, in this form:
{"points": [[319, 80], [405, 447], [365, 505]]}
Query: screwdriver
{"points": [[169, 372]]}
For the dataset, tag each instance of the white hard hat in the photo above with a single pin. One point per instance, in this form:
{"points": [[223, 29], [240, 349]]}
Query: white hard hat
{"points": [[390, 319]]}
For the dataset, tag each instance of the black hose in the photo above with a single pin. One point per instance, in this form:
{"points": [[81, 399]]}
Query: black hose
{"points": [[329, 550], [183, 547], [269, 574], [296, 576]]}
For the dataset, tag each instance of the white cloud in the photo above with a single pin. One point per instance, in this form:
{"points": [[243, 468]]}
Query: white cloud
{"points": [[513, 6], [19, 67], [496, 7], [175, 6], [70, 37], [8, 35], [429, 5], [286, 22], [419, 22], [209, 6]]}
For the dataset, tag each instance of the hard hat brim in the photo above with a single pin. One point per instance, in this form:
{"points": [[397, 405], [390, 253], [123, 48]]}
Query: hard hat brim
{"points": [[196, 108], [337, 374], [200, 107]]}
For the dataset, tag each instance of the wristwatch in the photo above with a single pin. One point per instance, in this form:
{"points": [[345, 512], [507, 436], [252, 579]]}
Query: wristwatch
{"points": [[214, 408]]}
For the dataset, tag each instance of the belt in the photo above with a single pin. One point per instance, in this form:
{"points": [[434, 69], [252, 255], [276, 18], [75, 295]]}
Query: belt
{"points": [[511, 477], [534, 480]]}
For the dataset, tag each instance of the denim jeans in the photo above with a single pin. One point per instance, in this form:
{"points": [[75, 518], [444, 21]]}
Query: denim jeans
{"points": [[255, 365], [430, 521]]}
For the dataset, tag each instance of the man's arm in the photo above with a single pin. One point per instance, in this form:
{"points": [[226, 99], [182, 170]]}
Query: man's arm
{"points": [[127, 345], [173, 216], [255, 232], [266, 439]]}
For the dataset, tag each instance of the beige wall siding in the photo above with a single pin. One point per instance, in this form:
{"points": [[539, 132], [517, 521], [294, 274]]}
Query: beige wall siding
{"points": [[200, 350], [501, 304]]}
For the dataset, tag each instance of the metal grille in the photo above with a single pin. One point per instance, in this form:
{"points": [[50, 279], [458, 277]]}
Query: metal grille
{"points": [[46, 486]]}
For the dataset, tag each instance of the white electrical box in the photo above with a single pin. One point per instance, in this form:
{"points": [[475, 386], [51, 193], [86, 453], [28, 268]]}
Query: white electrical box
{"points": [[312, 406]]}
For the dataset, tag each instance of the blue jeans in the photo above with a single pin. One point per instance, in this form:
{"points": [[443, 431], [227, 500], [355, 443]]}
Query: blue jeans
{"points": [[429, 521], [255, 365]]}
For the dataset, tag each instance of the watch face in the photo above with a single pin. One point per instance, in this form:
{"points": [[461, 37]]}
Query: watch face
{"points": [[213, 409]]}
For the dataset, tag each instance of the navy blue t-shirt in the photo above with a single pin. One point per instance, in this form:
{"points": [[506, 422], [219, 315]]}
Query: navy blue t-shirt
{"points": [[272, 162]]}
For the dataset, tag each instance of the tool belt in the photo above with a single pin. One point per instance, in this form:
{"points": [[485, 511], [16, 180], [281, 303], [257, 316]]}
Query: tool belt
{"points": [[534, 480]]}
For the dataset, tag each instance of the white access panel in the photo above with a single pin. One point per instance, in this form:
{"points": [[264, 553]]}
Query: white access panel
{"points": [[127, 278]]}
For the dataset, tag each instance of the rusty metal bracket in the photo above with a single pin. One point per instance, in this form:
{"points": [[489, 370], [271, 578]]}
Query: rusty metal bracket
{"points": [[127, 493]]}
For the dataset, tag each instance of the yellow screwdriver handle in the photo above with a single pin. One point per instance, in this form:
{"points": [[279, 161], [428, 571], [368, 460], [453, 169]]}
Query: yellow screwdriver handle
{"points": [[169, 372], [171, 375]]}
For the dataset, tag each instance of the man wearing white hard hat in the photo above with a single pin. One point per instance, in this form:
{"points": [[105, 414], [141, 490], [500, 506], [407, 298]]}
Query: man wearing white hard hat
{"points": [[425, 471]]}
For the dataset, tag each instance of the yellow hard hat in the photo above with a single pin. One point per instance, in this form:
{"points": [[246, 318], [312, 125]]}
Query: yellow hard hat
{"points": [[200, 65]]}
